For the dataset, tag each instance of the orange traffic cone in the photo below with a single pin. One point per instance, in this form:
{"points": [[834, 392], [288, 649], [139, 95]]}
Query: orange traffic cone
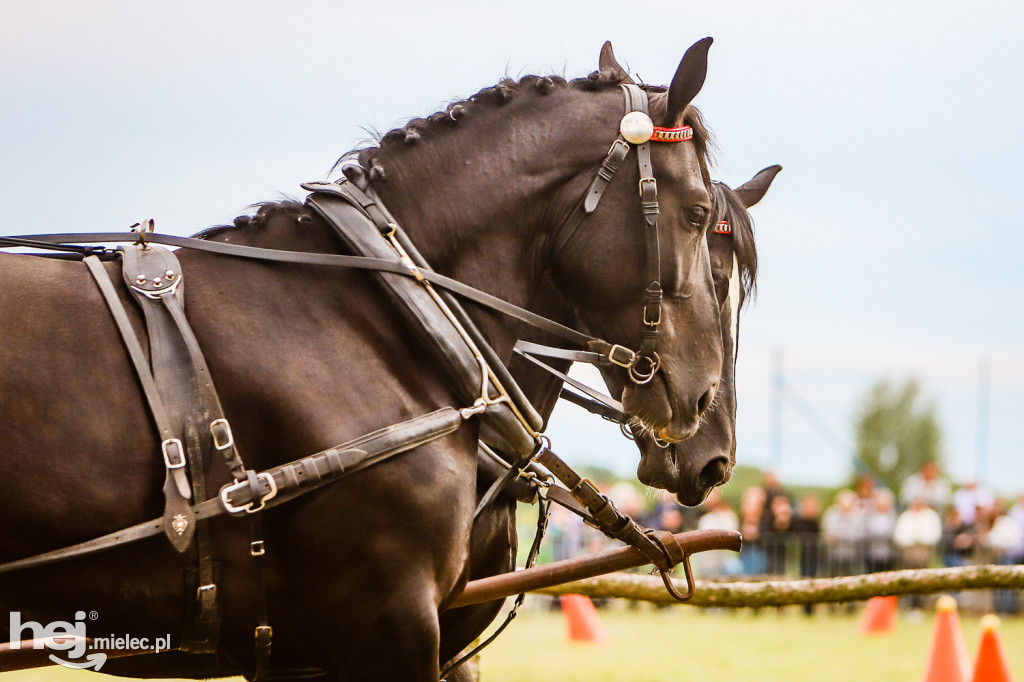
{"points": [[991, 665], [582, 621], [879, 616], [947, 660]]}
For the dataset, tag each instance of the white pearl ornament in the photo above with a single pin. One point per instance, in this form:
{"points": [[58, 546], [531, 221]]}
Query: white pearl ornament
{"points": [[636, 127]]}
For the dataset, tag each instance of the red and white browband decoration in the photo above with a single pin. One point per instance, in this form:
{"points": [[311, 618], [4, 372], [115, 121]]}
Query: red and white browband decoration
{"points": [[722, 227], [637, 128]]}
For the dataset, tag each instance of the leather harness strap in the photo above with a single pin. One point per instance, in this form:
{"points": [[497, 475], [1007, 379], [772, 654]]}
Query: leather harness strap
{"points": [[178, 514], [616, 353], [278, 484]]}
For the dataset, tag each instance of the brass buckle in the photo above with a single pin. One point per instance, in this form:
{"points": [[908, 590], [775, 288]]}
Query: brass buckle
{"points": [[619, 350], [619, 142], [647, 179], [165, 448], [652, 323]]}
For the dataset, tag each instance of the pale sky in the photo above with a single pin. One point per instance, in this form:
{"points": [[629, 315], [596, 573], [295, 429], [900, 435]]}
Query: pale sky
{"points": [[889, 244]]}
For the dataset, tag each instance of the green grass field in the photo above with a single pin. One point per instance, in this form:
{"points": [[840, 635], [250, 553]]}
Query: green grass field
{"points": [[683, 643]]}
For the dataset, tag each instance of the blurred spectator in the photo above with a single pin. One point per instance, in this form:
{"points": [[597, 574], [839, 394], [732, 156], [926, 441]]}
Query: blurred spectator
{"points": [[843, 528], [751, 509], [671, 519], [777, 535], [1016, 512], [772, 489], [879, 524], [565, 533], [917, 533], [806, 529], [968, 498], [928, 485], [721, 517], [1007, 534], [957, 538], [866, 492]]}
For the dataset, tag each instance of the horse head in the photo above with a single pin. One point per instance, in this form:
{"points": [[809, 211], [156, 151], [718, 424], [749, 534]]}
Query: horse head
{"points": [[692, 468], [609, 267], [488, 188]]}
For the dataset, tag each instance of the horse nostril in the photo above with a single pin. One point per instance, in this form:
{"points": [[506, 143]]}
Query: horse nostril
{"points": [[705, 400], [715, 472]]}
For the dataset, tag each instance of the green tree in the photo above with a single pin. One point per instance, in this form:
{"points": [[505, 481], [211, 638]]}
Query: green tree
{"points": [[897, 431]]}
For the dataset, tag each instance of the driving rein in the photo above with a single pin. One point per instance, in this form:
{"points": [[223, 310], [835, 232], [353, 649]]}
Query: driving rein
{"points": [[178, 389]]}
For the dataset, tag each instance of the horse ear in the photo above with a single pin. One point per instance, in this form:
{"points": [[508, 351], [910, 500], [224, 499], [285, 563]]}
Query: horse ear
{"points": [[688, 81], [607, 62], [753, 190]]}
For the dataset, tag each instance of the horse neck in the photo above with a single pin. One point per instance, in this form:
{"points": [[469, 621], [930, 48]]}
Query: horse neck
{"points": [[482, 199]]}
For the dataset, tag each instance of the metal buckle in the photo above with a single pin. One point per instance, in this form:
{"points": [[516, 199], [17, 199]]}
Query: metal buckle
{"points": [[227, 429], [226, 491], [205, 588], [619, 142], [647, 179], [165, 448], [618, 350], [652, 323], [256, 548]]}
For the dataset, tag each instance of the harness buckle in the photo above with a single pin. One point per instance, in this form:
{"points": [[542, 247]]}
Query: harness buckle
{"points": [[655, 322], [248, 508], [620, 146], [621, 356], [203, 590], [650, 180], [174, 453], [222, 436]]}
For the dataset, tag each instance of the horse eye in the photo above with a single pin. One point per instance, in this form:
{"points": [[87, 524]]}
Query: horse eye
{"points": [[695, 215]]}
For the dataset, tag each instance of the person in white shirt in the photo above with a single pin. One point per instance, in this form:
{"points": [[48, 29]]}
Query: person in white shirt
{"points": [[927, 484], [917, 532], [968, 498]]}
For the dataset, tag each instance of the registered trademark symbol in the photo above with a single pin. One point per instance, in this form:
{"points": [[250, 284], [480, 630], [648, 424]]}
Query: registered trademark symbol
{"points": [[93, 615]]}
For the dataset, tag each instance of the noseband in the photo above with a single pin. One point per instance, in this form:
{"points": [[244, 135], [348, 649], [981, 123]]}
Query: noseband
{"points": [[636, 130]]}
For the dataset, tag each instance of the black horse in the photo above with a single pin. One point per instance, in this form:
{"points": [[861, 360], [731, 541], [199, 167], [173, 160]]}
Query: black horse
{"points": [[306, 357], [707, 458]]}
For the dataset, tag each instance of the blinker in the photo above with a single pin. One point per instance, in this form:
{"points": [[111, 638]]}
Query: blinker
{"points": [[636, 127]]}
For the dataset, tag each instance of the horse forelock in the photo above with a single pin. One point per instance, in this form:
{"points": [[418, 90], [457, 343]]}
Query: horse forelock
{"points": [[729, 207]]}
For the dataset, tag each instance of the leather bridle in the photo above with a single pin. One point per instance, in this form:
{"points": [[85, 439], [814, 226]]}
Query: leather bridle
{"points": [[636, 130]]}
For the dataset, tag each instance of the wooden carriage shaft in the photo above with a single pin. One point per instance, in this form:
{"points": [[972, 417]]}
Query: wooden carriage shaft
{"points": [[548, 575]]}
